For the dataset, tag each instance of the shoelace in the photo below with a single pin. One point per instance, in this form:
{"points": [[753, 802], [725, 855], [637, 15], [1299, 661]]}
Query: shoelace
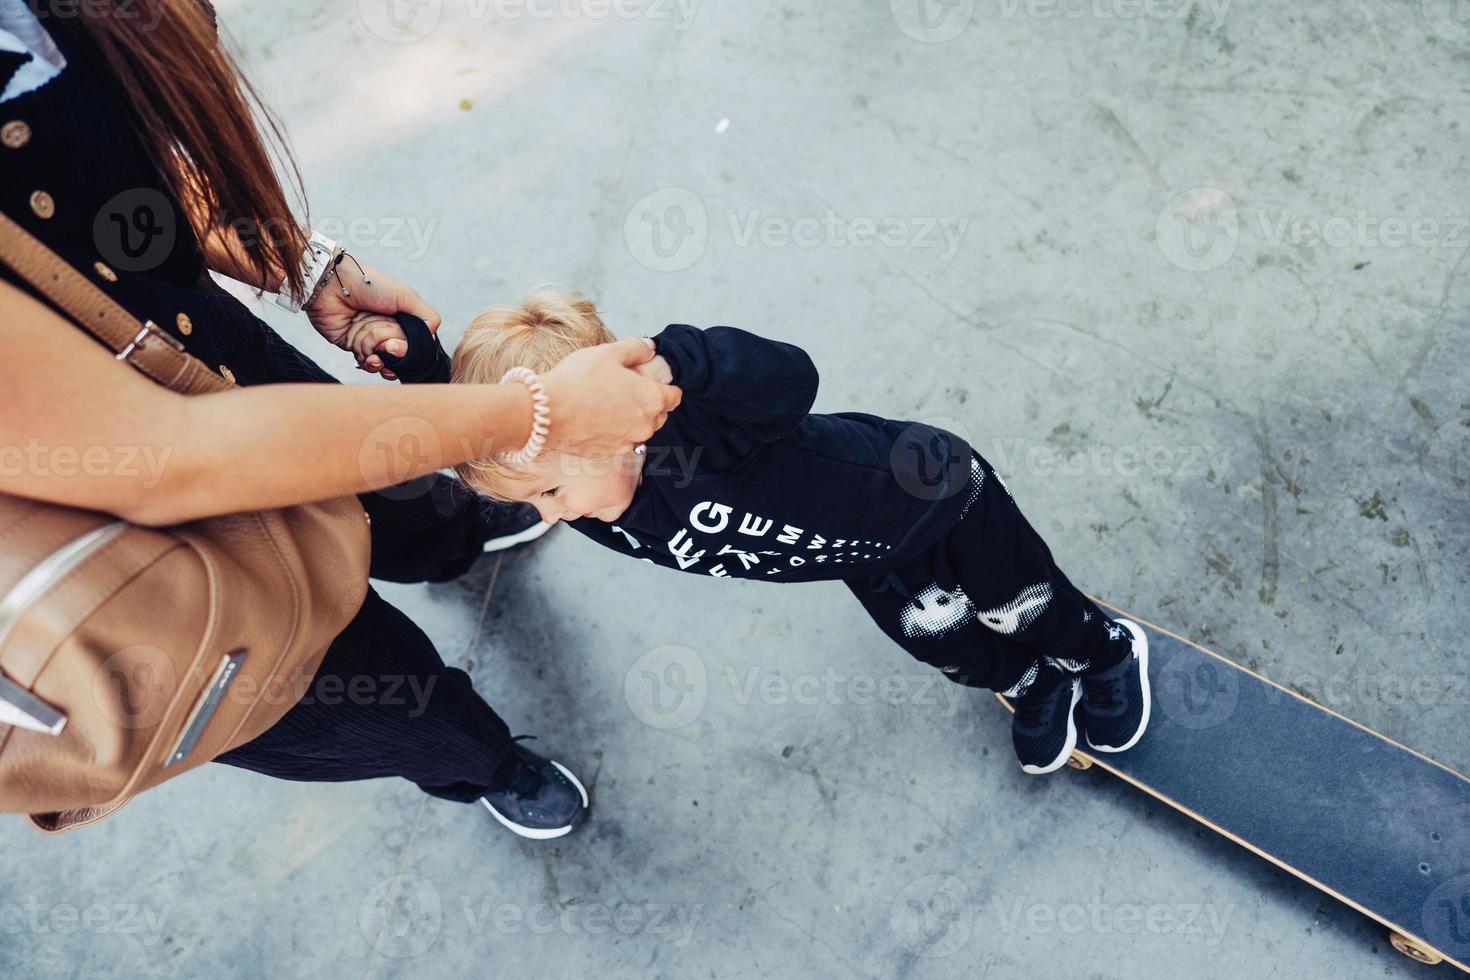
{"points": [[1104, 692], [1033, 710], [527, 782]]}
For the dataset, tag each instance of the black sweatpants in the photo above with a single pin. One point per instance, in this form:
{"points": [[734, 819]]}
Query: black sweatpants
{"points": [[988, 603], [383, 703]]}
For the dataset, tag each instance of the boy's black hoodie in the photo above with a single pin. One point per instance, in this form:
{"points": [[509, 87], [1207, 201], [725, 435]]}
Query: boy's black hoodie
{"points": [[744, 482]]}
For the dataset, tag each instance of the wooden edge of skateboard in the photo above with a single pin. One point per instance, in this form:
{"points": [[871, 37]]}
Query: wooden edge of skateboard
{"points": [[1286, 690]]}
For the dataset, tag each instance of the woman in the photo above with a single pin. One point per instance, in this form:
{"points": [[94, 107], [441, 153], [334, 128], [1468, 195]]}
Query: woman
{"points": [[128, 146]]}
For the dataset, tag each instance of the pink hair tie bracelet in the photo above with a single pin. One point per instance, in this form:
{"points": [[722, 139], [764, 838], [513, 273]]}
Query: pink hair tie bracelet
{"points": [[540, 416]]}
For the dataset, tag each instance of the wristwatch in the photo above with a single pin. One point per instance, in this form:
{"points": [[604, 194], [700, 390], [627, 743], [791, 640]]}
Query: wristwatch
{"points": [[317, 264]]}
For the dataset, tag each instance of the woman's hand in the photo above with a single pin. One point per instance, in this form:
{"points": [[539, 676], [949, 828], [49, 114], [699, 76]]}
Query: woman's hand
{"points": [[333, 314], [601, 404]]}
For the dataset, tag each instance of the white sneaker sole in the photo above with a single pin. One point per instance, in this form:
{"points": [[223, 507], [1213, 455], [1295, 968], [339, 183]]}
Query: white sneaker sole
{"points": [[514, 540], [1069, 745], [552, 833], [1140, 647]]}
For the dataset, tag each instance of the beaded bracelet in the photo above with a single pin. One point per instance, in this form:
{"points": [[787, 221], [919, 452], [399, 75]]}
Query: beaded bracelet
{"points": [[540, 416]]}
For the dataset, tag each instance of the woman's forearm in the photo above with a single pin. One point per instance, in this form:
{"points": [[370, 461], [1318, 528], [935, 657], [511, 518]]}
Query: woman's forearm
{"points": [[78, 429], [289, 443]]}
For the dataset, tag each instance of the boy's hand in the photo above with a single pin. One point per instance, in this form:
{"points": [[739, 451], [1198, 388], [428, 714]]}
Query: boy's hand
{"points": [[656, 370], [370, 333], [373, 291]]}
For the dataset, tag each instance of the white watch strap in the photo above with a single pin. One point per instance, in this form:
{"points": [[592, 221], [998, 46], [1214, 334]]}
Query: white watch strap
{"points": [[316, 262]]}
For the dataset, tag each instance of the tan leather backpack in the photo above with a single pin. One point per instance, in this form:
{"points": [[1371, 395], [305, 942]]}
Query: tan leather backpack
{"points": [[130, 654]]}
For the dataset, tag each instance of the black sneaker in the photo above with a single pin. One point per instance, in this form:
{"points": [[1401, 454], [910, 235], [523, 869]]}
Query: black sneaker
{"points": [[510, 525], [1116, 701], [1044, 730], [540, 798]]}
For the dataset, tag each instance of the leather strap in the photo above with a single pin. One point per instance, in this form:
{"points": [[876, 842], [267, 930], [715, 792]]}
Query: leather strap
{"points": [[144, 346]]}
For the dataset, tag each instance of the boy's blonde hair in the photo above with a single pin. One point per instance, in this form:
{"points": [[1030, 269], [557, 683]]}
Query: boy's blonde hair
{"points": [[546, 327]]}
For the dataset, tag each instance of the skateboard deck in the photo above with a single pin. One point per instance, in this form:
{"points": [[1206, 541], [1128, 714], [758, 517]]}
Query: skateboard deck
{"points": [[1370, 822]]}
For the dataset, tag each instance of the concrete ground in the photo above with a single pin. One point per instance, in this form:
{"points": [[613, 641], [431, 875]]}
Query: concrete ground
{"points": [[1190, 274]]}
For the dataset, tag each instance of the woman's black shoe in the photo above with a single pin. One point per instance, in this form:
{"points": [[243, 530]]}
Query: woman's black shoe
{"points": [[537, 798]]}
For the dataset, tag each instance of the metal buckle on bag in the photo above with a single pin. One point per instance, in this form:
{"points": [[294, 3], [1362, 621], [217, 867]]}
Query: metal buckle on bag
{"points": [[149, 329], [209, 700], [23, 709]]}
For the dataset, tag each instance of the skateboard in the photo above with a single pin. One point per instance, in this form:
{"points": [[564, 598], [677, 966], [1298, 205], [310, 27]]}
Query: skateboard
{"points": [[1370, 822]]}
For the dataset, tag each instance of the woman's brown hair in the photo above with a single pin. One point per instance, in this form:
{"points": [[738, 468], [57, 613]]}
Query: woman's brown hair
{"points": [[202, 120]]}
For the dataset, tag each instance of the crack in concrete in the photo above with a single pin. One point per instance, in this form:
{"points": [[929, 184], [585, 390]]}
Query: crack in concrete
{"points": [[1271, 527]]}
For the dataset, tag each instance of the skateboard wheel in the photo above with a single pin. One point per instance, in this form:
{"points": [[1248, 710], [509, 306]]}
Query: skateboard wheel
{"points": [[1075, 761], [1415, 950]]}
